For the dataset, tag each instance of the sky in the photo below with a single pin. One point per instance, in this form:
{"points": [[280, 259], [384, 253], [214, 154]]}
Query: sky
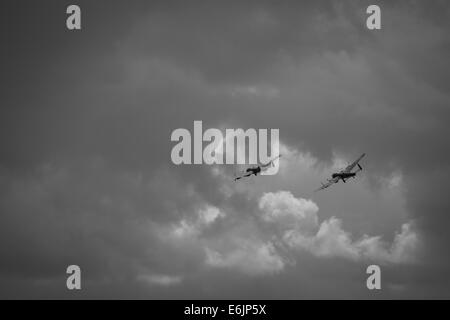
{"points": [[86, 176]]}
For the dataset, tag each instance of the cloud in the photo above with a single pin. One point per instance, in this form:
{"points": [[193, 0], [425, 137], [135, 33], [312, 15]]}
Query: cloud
{"points": [[240, 247], [285, 229], [404, 248], [297, 222], [160, 279], [286, 211], [205, 217], [249, 257], [310, 69]]}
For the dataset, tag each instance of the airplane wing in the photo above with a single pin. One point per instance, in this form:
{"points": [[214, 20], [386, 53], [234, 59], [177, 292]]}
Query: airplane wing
{"points": [[270, 162], [242, 174], [350, 167], [264, 167], [329, 183]]}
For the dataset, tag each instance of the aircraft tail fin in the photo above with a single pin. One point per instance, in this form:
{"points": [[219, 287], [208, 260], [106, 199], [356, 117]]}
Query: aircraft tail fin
{"points": [[271, 162]]}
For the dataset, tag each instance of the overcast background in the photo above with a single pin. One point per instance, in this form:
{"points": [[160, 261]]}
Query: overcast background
{"points": [[85, 170]]}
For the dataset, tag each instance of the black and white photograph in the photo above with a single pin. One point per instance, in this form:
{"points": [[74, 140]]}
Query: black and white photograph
{"points": [[225, 150]]}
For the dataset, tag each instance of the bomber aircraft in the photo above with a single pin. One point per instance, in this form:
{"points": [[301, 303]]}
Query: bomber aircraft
{"points": [[343, 174], [256, 169]]}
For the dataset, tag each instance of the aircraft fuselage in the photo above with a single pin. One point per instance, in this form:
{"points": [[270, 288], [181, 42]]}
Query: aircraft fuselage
{"points": [[343, 176], [254, 170]]}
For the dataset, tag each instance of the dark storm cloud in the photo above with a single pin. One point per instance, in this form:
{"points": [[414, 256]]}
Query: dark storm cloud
{"points": [[86, 119]]}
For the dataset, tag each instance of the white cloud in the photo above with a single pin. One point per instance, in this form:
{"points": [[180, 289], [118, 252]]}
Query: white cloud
{"points": [[289, 212], [287, 226], [332, 240], [159, 279], [403, 248], [250, 257], [205, 217], [209, 214], [298, 223]]}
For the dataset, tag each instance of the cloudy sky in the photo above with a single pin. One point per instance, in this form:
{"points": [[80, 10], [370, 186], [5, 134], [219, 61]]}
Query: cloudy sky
{"points": [[86, 176]]}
